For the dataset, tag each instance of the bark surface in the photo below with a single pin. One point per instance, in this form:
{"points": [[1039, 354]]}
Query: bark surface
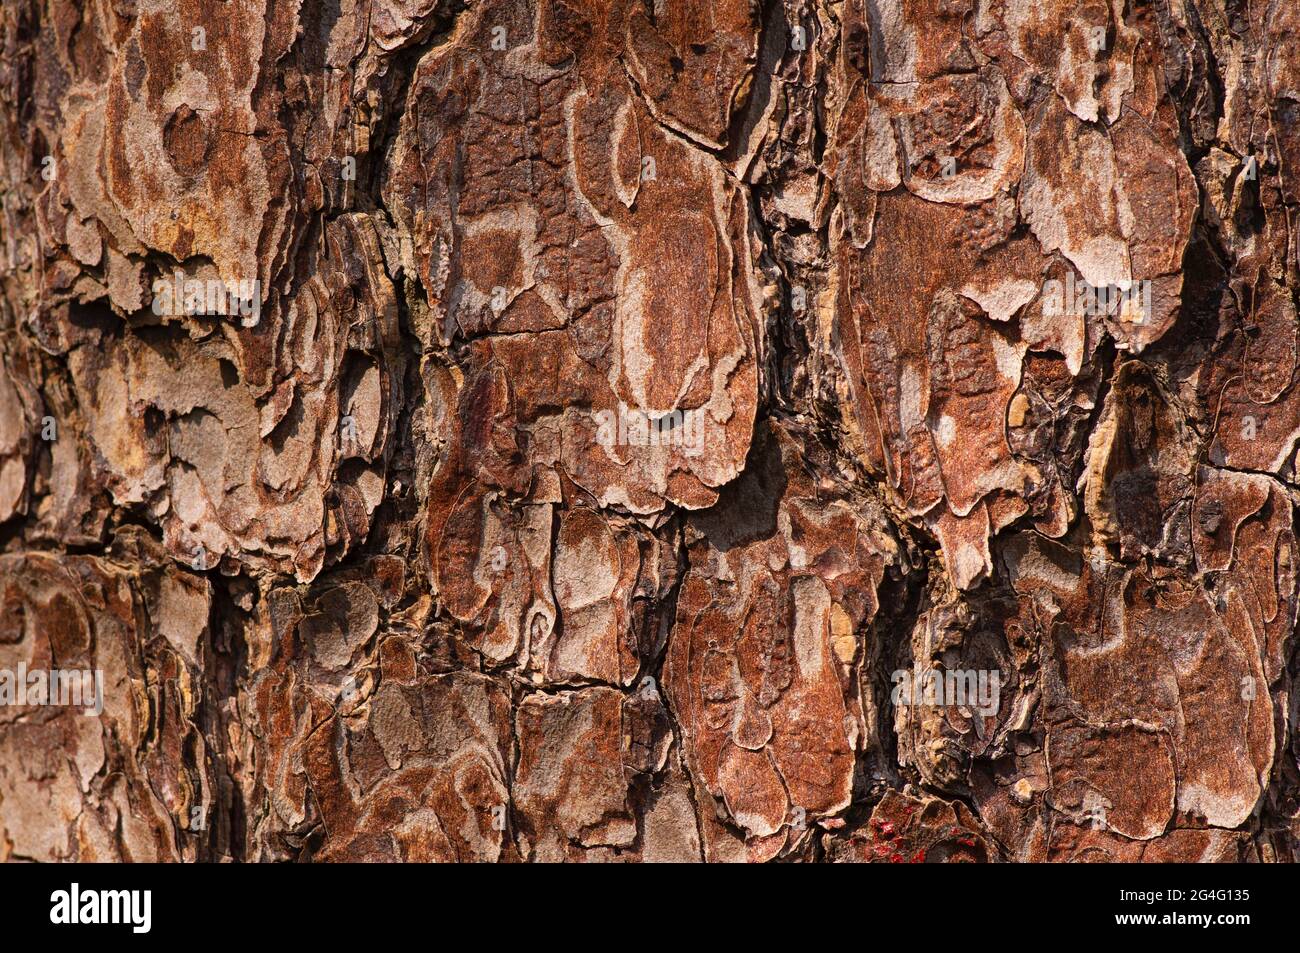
{"points": [[532, 430]]}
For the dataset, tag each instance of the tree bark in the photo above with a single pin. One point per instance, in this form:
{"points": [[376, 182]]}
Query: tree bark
{"points": [[531, 430]]}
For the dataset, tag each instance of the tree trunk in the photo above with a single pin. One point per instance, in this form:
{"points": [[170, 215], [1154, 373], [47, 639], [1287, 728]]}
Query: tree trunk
{"points": [[613, 430]]}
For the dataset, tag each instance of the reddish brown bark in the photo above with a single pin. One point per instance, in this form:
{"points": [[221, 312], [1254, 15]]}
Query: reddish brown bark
{"points": [[651, 431]]}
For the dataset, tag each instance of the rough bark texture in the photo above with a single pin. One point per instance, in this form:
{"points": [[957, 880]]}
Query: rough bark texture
{"points": [[634, 397]]}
